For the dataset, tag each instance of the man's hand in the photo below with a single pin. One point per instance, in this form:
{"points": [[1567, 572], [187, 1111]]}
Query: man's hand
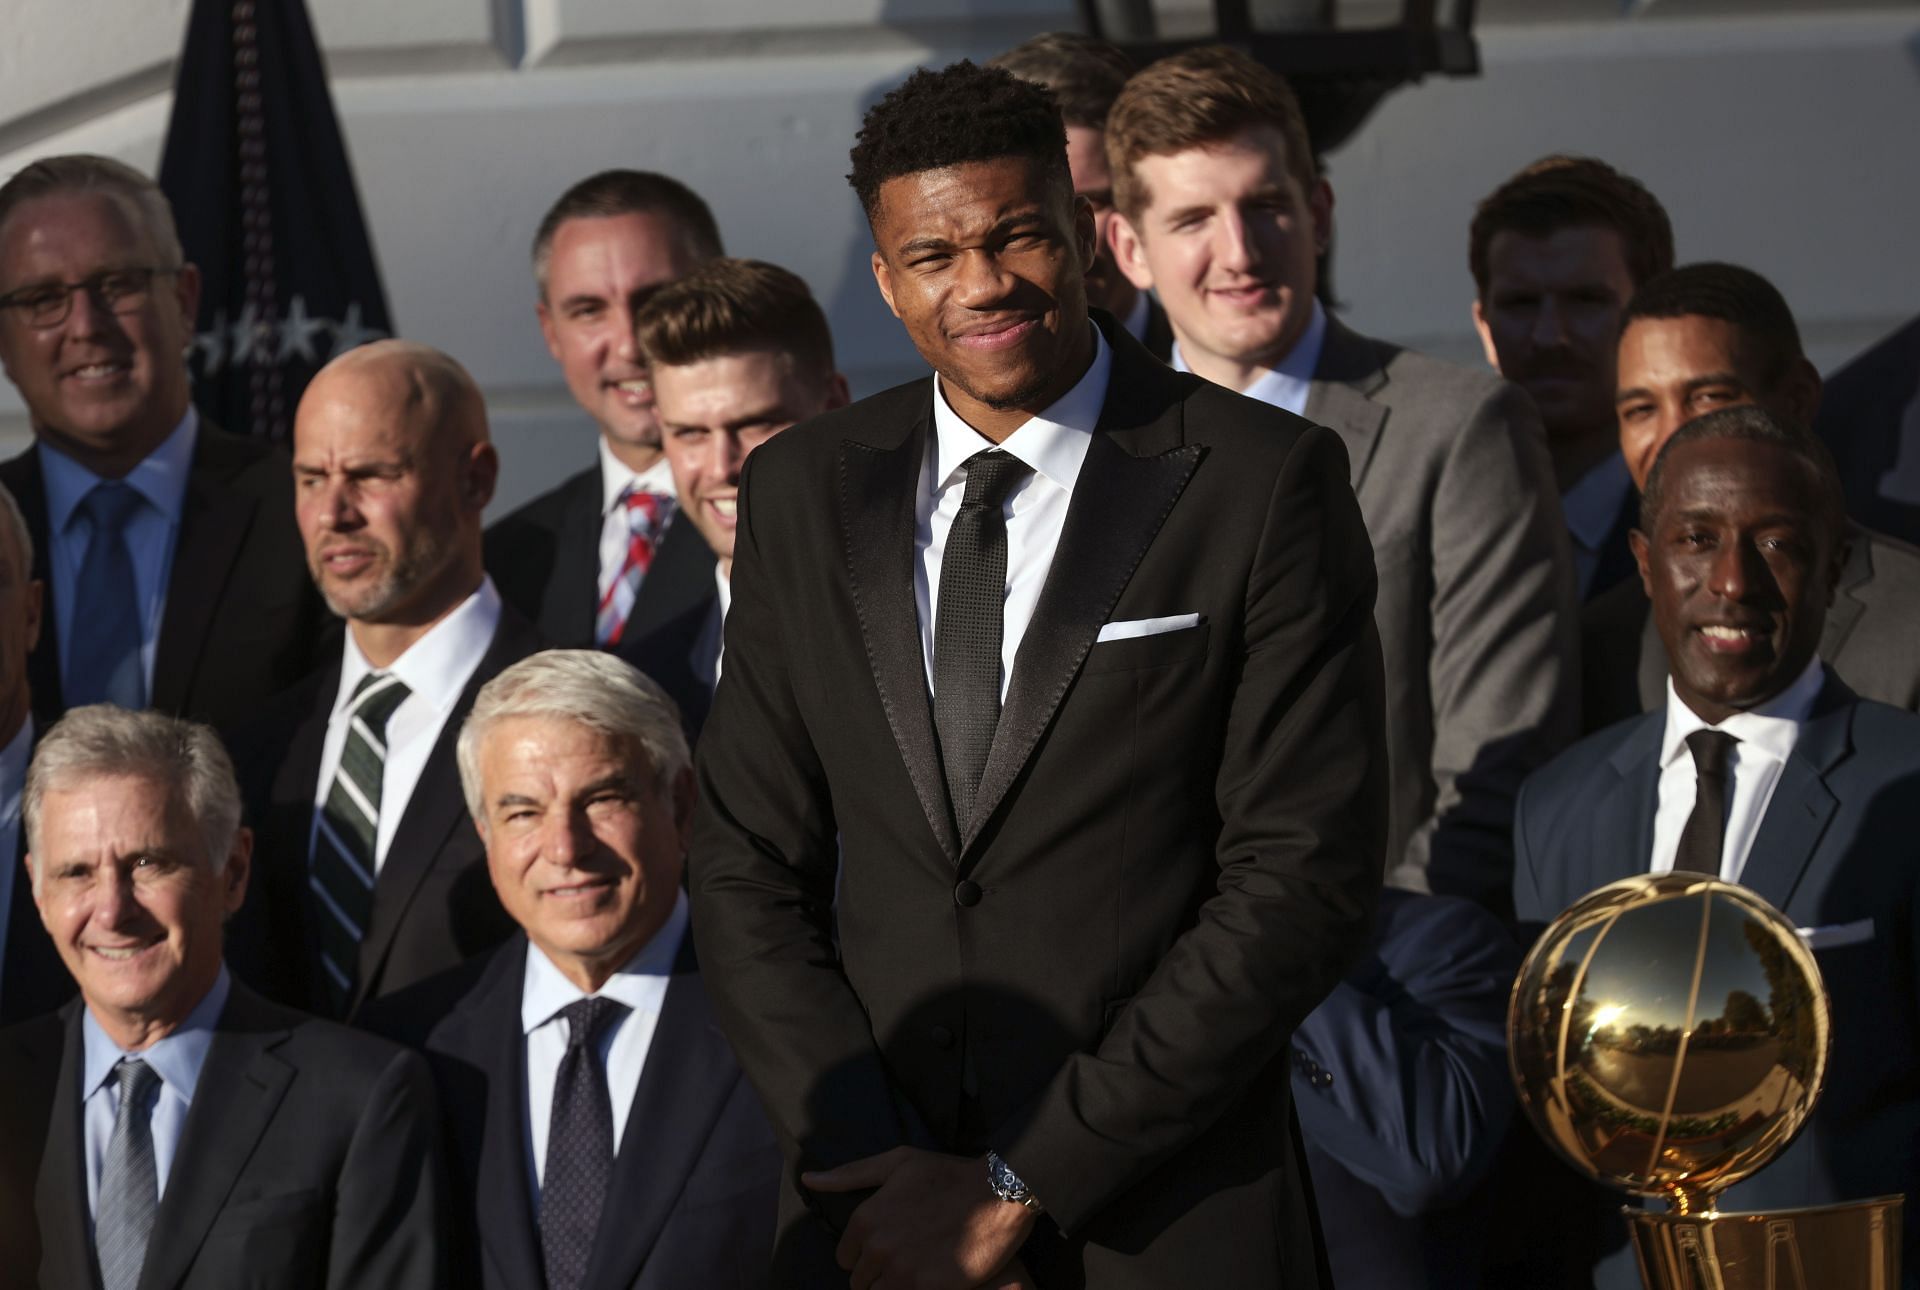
{"points": [[934, 1224]]}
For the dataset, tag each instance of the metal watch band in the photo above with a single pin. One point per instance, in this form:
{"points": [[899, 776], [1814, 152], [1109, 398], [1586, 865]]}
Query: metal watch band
{"points": [[1006, 1184]]}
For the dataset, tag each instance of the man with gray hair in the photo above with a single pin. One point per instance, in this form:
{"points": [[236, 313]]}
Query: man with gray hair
{"points": [[175, 1128], [166, 545], [581, 1067]]}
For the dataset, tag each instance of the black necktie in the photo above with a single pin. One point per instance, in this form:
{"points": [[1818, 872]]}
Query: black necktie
{"points": [[1706, 828], [579, 1147], [967, 626]]}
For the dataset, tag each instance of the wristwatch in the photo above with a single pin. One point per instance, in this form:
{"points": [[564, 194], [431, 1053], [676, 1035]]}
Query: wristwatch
{"points": [[1006, 1184]]}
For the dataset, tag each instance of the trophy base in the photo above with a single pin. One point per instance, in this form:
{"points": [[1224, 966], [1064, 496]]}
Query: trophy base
{"points": [[1834, 1247]]}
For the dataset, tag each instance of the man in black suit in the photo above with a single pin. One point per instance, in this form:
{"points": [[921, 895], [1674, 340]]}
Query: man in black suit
{"points": [[1086, 75], [166, 545], [739, 352], [1556, 252], [599, 560], [1042, 794], [171, 1128], [371, 875], [32, 979], [579, 781]]}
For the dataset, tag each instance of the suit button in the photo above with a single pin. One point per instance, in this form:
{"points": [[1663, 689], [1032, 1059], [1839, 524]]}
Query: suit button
{"points": [[941, 1036], [967, 894]]}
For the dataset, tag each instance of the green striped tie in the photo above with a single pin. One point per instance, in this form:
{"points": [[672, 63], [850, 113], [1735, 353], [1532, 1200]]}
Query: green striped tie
{"points": [[345, 844]]}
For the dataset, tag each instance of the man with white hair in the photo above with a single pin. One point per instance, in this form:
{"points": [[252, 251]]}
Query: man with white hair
{"points": [[602, 1134], [174, 1128]]}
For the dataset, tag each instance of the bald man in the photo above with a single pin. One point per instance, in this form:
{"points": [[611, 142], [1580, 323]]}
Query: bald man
{"points": [[369, 875]]}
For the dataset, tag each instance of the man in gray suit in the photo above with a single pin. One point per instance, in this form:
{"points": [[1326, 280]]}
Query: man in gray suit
{"points": [[1709, 336], [1224, 214], [172, 1129]]}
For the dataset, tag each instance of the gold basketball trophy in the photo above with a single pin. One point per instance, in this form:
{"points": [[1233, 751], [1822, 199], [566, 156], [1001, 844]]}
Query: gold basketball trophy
{"points": [[1668, 1035]]}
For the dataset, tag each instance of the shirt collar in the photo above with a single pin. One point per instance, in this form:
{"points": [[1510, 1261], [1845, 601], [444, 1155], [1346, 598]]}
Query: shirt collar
{"points": [[1295, 368], [160, 478], [1771, 728], [437, 666], [1592, 505], [723, 588], [1053, 442], [615, 478], [545, 991], [13, 773], [176, 1059]]}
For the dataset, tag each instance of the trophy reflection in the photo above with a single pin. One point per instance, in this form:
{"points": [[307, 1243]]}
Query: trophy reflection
{"points": [[1668, 1035]]}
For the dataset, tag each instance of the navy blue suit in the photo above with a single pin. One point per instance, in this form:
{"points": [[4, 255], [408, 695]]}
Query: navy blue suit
{"points": [[1836, 848], [1400, 1078]]}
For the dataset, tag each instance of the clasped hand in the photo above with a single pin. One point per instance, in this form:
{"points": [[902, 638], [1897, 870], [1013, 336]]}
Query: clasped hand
{"points": [[933, 1224]]}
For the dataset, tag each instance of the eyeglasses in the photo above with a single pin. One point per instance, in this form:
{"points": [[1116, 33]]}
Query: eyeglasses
{"points": [[123, 291]]}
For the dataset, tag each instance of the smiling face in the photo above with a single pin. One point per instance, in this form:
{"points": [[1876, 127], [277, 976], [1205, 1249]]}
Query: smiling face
{"points": [[984, 262], [1672, 370], [715, 411], [104, 388], [1229, 240], [600, 270], [584, 846], [1740, 567], [126, 888]]}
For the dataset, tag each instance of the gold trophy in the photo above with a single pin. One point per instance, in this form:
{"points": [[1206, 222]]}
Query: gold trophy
{"points": [[1668, 1035]]}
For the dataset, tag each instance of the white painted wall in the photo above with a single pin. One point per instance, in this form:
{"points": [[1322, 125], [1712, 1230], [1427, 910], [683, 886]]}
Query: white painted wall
{"points": [[1787, 142]]}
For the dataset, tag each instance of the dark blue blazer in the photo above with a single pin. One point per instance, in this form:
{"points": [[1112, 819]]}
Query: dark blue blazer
{"points": [[1838, 846], [693, 1198], [1400, 1078]]}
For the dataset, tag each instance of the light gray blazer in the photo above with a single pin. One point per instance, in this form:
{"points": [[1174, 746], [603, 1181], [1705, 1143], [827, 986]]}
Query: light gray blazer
{"points": [[1477, 609]]}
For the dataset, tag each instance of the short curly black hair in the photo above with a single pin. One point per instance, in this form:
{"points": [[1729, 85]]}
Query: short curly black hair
{"points": [[961, 113]]}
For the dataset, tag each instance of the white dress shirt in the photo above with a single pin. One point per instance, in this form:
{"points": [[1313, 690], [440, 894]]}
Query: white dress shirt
{"points": [[1054, 444], [615, 479], [152, 530], [13, 781], [1767, 735], [622, 1045], [1592, 508], [1285, 387], [435, 669], [709, 650], [177, 1060]]}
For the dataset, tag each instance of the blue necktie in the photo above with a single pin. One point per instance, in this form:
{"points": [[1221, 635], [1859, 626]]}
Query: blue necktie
{"points": [[103, 662], [129, 1190]]}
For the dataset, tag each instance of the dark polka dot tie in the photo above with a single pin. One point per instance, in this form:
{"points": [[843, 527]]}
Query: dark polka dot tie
{"points": [[579, 1146]]}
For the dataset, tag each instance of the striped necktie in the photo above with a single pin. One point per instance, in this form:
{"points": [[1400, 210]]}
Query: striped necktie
{"points": [[345, 846], [129, 1187], [647, 515]]}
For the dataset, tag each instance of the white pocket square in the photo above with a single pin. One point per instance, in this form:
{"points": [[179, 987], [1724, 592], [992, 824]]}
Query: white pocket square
{"points": [[1146, 627], [1836, 934]]}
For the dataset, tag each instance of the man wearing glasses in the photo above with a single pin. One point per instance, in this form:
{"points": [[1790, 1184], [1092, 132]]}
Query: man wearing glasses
{"points": [[173, 569]]}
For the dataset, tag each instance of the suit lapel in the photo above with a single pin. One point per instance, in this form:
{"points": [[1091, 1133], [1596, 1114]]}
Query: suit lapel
{"points": [[878, 487], [292, 802], [1847, 607], [568, 608], [684, 1087], [1621, 842], [1802, 804], [680, 577], [60, 1193], [240, 1088], [503, 1205], [1345, 380], [213, 526]]}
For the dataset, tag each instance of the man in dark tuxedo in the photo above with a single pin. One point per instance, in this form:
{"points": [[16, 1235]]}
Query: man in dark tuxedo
{"points": [[1556, 252], [371, 875], [1763, 768], [599, 560], [579, 781], [1223, 211], [170, 1128], [1707, 336], [166, 546], [739, 352], [1042, 793], [1086, 75], [32, 979]]}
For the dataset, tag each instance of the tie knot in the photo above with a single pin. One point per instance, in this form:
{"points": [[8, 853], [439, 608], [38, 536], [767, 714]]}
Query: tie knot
{"points": [[375, 699], [136, 1080], [644, 509], [991, 475], [109, 505], [586, 1018], [1710, 749]]}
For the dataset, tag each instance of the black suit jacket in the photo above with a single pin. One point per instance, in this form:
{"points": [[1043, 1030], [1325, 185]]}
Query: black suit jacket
{"points": [[242, 619], [1172, 855], [672, 654], [433, 904], [692, 1197], [1159, 335], [1864, 412], [310, 1158], [545, 559], [35, 980]]}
